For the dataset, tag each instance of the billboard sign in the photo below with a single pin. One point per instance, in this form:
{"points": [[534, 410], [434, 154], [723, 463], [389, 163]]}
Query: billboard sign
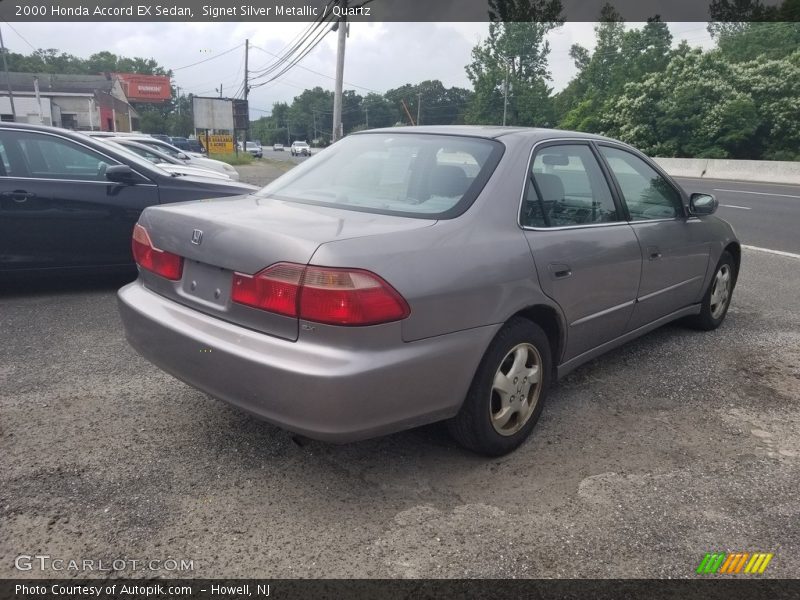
{"points": [[145, 88], [241, 114], [212, 113], [217, 144]]}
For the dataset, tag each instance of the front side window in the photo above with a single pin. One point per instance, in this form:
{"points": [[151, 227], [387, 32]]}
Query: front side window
{"points": [[567, 188], [31, 154], [647, 194], [425, 176]]}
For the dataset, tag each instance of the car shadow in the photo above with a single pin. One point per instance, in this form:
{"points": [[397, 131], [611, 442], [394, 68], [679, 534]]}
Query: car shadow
{"points": [[15, 286]]}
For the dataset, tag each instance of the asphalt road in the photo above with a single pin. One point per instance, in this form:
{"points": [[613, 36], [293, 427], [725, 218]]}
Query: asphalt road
{"points": [[763, 215], [675, 445]]}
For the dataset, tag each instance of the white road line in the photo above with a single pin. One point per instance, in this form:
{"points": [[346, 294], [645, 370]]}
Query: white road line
{"points": [[768, 251], [757, 193], [734, 206], [715, 180]]}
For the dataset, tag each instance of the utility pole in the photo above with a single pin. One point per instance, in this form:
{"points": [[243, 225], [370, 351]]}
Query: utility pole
{"points": [[219, 89], [505, 95], [246, 89], [419, 104], [366, 112], [178, 96], [337, 96], [8, 80], [314, 115], [38, 98]]}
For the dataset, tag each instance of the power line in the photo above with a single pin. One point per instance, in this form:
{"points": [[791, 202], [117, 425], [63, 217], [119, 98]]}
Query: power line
{"points": [[205, 60], [22, 37], [305, 52], [296, 44], [362, 87]]}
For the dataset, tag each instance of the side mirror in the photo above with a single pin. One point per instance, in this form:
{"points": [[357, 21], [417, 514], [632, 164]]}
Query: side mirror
{"points": [[701, 205], [182, 156], [121, 174]]}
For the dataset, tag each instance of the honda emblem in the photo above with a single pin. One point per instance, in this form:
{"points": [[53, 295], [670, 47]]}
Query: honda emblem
{"points": [[197, 237]]}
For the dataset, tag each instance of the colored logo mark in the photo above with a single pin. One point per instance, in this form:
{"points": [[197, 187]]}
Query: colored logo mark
{"points": [[735, 563]]}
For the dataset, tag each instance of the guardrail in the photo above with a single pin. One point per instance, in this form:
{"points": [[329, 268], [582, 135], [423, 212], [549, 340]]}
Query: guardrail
{"points": [[766, 171]]}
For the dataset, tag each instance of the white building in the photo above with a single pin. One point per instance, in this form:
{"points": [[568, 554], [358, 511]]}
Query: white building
{"points": [[82, 102]]}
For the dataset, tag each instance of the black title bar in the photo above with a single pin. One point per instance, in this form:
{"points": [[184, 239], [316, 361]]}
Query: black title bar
{"points": [[393, 10], [296, 589]]}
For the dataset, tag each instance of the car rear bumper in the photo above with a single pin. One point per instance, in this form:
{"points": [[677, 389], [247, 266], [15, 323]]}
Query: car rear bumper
{"points": [[335, 394]]}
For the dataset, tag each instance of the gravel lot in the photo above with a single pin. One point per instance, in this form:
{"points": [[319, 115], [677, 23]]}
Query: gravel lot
{"points": [[678, 444]]}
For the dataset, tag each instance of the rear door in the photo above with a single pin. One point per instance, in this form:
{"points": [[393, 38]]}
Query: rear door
{"points": [[57, 209], [675, 248], [586, 254]]}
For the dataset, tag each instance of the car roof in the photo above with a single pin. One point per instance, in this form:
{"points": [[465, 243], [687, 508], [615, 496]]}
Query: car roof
{"points": [[487, 131]]}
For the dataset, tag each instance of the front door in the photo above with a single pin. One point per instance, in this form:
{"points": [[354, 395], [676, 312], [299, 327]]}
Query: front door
{"points": [[675, 248], [57, 209], [586, 254]]}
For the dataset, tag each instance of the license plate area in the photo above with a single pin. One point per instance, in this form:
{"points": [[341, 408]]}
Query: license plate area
{"points": [[206, 283]]}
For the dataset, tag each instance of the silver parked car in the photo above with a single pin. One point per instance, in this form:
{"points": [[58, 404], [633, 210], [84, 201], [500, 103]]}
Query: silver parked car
{"points": [[406, 276]]}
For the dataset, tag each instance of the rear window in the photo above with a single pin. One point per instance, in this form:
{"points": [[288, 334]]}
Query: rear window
{"points": [[412, 175]]}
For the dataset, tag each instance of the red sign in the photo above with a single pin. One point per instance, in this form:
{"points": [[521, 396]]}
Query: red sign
{"points": [[145, 88]]}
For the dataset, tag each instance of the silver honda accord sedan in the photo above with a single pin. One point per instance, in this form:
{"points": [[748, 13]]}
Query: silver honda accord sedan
{"points": [[411, 275]]}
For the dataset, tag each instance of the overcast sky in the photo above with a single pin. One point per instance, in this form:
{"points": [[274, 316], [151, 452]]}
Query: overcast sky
{"points": [[379, 56]]}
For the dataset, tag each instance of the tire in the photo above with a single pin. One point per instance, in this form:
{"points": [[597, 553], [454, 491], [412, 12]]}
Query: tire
{"points": [[479, 425], [712, 314]]}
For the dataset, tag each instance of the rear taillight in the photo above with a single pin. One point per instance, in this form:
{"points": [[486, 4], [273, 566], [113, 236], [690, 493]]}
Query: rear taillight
{"points": [[147, 256], [323, 295], [274, 289]]}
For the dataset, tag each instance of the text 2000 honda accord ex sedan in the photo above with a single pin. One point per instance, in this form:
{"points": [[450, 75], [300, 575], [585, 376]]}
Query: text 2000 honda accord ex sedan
{"points": [[405, 276]]}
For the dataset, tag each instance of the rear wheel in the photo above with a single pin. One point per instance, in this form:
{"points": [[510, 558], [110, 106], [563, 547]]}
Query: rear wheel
{"points": [[508, 392], [717, 298]]}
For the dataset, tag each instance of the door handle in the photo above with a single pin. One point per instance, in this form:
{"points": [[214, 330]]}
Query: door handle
{"points": [[653, 253], [560, 271], [18, 196]]}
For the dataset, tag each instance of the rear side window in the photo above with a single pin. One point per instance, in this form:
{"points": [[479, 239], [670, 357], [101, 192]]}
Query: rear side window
{"points": [[415, 175], [647, 194], [567, 188]]}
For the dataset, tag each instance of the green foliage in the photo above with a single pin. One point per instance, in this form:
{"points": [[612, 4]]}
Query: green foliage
{"points": [[705, 106], [242, 158], [512, 63], [152, 122], [740, 100], [51, 60], [620, 57]]}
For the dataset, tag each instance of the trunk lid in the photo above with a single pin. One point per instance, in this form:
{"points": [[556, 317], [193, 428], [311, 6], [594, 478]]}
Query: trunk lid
{"points": [[247, 234]]}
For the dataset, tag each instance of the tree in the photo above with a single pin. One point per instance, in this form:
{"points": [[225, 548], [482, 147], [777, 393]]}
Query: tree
{"points": [[514, 52], [152, 122], [705, 106], [378, 111], [619, 57]]}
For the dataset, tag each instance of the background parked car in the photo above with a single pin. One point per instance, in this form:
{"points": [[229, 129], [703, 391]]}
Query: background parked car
{"points": [[194, 160], [277, 147], [70, 201], [163, 161], [425, 274], [254, 148], [300, 149]]}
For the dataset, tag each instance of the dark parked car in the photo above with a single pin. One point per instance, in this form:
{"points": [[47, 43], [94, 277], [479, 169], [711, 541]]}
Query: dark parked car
{"points": [[195, 146], [70, 201], [410, 275], [161, 136]]}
